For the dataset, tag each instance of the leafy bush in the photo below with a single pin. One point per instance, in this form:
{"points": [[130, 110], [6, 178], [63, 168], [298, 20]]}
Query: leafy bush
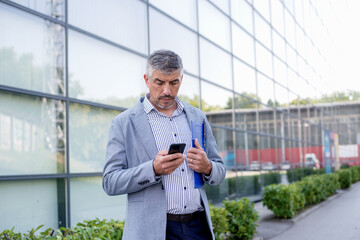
{"points": [[94, 229], [219, 222], [331, 183], [354, 174], [242, 218], [344, 178], [313, 188], [284, 200], [344, 166]]}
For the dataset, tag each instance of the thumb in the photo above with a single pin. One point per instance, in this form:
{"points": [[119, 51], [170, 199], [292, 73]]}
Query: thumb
{"points": [[197, 144], [163, 152]]}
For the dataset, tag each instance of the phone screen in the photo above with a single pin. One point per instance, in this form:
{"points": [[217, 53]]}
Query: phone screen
{"points": [[176, 148]]}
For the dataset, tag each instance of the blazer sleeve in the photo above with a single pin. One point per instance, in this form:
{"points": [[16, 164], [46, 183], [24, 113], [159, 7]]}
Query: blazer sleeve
{"points": [[218, 171], [118, 177]]}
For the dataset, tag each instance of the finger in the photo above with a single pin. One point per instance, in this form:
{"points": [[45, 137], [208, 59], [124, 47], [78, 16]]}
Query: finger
{"points": [[163, 152], [197, 144]]}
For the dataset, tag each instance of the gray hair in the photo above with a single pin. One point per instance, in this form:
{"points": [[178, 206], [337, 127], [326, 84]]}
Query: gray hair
{"points": [[165, 61]]}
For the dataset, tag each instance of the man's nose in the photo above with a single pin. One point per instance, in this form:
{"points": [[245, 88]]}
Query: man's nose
{"points": [[167, 90]]}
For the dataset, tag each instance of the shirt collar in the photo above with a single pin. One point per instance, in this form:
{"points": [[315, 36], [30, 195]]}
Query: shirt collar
{"points": [[148, 107]]}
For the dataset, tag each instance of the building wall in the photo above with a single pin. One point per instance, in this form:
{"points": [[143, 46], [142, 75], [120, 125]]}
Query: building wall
{"points": [[67, 68]]}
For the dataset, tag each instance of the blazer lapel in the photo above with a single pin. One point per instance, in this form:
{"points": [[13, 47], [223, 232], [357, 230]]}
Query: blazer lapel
{"points": [[144, 131]]}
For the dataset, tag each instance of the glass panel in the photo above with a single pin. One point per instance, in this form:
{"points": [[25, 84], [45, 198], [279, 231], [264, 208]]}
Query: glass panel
{"points": [[32, 57], [290, 28], [269, 159], [89, 128], [112, 20], [299, 12], [89, 201], [278, 45], [184, 11], [211, 69], [241, 12], [243, 44], [223, 5], [281, 95], [227, 188], [214, 25], [280, 74], [244, 78], [262, 31], [189, 91], [291, 58], [277, 16], [28, 204], [32, 135], [55, 9], [186, 45], [265, 90], [264, 60], [222, 101], [102, 78], [263, 7]]}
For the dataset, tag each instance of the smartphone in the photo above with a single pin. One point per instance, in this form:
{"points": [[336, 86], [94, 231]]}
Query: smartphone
{"points": [[176, 148]]}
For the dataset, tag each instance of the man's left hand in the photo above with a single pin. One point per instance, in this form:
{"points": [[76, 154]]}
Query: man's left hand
{"points": [[197, 159]]}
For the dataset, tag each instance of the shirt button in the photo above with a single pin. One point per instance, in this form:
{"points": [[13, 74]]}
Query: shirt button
{"points": [[182, 169], [184, 188], [175, 134], [185, 207]]}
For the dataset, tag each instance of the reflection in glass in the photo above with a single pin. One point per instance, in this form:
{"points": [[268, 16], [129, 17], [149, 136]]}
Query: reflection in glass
{"points": [[281, 95], [244, 78], [98, 72], [32, 56], [224, 139], [183, 11], [278, 46], [242, 44], [28, 204], [89, 128], [241, 12], [55, 9], [121, 21], [189, 91], [211, 70], [214, 25], [177, 39], [32, 135], [222, 101], [266, 90], [89, 201], [290, 29], [280, 72], [277, 16]]}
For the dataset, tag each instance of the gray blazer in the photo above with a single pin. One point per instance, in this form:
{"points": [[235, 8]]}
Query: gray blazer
{"points": [[128, 170]]}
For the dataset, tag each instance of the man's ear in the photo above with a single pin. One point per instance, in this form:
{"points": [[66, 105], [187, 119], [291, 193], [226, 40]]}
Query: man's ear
{"points": [[146, 80]]}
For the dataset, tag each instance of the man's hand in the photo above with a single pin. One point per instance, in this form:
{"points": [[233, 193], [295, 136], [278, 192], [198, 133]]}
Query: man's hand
{"points": [[165, 164], [197, 159]]}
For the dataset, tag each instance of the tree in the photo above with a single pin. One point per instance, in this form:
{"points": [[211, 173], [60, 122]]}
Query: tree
{"points": [[246, 100]]}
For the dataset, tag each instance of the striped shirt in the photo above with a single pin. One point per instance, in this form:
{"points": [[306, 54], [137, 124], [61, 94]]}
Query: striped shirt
{"points": [[181, 195]]}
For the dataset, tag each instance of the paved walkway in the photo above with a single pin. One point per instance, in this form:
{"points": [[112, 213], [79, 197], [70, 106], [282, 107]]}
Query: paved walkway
{"points": [[336, 218]]}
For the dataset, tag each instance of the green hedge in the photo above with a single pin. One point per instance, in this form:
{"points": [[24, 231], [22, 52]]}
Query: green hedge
{"points": [[345, 178], [284, 200], [354, 174], [242, 218], [94, 229]]}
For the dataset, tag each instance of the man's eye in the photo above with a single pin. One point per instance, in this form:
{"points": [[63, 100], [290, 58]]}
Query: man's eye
{"points": [[174, 83], [159, 83]]}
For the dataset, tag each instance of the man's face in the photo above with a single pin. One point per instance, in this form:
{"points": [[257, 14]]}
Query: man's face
{"points": [[163, 88]]}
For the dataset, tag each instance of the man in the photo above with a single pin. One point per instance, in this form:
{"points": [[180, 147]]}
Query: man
{"points": [[162, 200]]}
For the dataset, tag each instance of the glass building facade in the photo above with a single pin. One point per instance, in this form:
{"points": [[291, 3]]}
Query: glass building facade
{"points": [[67, 68]]}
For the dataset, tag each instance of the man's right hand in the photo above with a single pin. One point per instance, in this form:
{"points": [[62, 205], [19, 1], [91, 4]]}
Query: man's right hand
{"points": [[165, 164]]}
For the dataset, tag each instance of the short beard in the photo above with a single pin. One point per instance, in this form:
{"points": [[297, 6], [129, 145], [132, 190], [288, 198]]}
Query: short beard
{"points": [[164, 107]]}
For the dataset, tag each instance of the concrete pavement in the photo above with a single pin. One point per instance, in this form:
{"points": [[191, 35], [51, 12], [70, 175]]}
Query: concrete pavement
{"points": [[336, 218]]}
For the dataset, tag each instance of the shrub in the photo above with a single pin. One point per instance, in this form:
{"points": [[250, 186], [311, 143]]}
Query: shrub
{"points": [[354, 174], [313, 188], [242, 218], [344, 166], [94, 229], [294, 175], [284, 200], [219, 222], [331, 183], [344, 178]]}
